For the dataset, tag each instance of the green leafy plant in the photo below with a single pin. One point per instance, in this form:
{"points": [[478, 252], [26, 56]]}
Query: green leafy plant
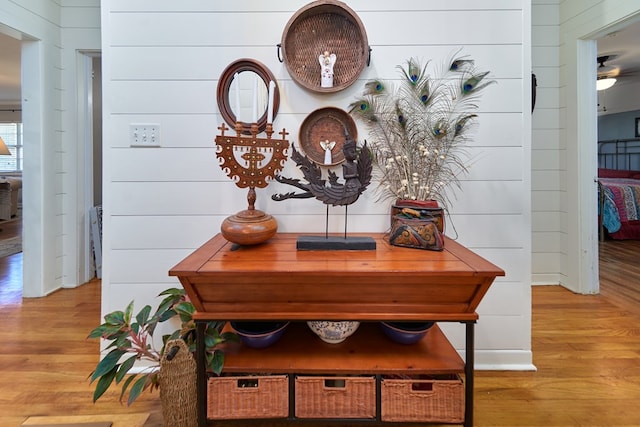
{"points": [[131, 340]]}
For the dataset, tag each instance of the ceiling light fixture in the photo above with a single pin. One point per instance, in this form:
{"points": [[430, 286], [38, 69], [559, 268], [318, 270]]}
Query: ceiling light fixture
{"points": [[605, 83]]}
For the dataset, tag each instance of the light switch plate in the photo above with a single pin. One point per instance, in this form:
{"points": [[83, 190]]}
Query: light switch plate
{"points": [[144, 135]]}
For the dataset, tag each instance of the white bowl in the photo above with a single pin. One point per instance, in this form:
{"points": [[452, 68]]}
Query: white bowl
{"points": [[333, 332]]}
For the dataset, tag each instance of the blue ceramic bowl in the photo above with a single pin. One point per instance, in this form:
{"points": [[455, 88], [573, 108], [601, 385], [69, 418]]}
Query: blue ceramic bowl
{"points": [[406, 332], [259, 334]]}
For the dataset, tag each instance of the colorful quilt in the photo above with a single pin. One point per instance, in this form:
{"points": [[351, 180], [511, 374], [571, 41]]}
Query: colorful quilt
{"points": [[620, 205]]}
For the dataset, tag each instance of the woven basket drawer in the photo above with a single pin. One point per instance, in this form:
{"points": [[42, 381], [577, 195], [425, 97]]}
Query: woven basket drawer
{"points": [[437, 399], [248, 397], [335, 397]]}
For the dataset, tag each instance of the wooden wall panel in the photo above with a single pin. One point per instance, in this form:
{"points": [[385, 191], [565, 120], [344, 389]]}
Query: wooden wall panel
{"points": [[168, 74]]}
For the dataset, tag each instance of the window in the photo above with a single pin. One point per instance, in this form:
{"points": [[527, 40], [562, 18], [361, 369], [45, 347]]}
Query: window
{"points": [[11, 133]]}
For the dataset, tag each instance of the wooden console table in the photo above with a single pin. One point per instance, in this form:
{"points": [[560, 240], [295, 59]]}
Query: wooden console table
{"points": [[274, 281]]}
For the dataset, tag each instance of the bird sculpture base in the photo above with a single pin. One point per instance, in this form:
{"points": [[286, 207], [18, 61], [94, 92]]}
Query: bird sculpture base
{"points": [[335, 243], [249, 227]]}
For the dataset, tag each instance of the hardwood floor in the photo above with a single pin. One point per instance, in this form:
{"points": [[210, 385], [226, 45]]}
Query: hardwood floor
{"points": [[586, 349]]}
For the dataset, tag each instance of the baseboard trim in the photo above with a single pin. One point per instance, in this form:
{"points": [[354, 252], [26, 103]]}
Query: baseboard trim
{"points": [[504, 360]]}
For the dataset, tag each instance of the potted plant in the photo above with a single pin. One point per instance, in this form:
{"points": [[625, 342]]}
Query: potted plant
{"points": [[131, 340], [419, 129]]}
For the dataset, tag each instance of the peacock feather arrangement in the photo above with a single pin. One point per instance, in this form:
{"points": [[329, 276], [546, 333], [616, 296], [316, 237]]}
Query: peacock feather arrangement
{"points": [[418, 128]]}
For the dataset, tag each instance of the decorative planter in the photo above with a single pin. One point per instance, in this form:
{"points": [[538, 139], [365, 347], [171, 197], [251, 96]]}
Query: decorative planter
{"points": [[417, 224], [427, 209]]}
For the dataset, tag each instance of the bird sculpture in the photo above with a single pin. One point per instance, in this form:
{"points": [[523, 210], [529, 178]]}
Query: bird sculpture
{"points": [[356, 172]]}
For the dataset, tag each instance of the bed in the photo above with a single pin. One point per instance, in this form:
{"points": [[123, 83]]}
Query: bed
{"points": [[619, 189]]}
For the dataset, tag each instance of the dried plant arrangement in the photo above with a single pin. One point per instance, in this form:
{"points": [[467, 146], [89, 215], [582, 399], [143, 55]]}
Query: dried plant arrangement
{"points": [[419, 128]]}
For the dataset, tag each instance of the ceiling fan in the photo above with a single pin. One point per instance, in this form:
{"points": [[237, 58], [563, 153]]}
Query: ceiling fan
{"points": [[606, 73]]}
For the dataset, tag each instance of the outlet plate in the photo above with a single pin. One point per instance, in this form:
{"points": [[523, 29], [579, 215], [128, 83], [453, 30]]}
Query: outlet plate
{"points": [[144, 135]]}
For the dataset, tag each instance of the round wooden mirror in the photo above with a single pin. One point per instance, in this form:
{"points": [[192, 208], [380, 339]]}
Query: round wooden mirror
{"points": [[243, 94]]}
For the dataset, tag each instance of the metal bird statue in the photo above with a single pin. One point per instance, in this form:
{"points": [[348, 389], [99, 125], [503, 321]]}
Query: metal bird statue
{"points": [[356, 171]]}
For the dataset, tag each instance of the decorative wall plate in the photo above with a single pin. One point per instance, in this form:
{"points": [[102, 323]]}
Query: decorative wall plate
{"points": [[326, 124]]}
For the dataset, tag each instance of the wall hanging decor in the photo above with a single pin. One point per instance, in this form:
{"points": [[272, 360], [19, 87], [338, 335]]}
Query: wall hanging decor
{"points": [[324, 46], [322, 135]]}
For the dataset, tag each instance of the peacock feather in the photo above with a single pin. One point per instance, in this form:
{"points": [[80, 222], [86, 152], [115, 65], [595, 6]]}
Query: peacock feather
{"points": [[472, 84], [440, 128], [413, 72], [362, 109], [402, 120], [375, 87], [425, 93], [461, 64], [462, 122], [418, 126]]}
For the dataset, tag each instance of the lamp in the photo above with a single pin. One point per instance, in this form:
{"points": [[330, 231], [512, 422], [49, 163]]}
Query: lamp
{"points": [[4, 151], [604, 83]]}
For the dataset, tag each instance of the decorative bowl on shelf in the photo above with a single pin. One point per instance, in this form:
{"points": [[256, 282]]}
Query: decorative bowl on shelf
{"points": [[333, 332], [406, 332], [259, 334]]}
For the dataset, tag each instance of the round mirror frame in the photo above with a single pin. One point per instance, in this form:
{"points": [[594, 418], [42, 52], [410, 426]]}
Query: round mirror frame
{"points": [[224, 85]]}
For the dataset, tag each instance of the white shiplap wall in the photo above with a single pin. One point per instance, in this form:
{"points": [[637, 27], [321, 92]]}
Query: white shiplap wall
{"points": [[161, 62], [549, 252], [80, 35]]}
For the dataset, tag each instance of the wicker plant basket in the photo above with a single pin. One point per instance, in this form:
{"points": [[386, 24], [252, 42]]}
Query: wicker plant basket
{"points": [[178, 391], [440, 399], [325, 25], [244, 397], [335, 397]]}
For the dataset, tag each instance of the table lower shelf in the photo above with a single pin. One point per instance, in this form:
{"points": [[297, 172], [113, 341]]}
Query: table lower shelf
{"points": [[368, 351]]}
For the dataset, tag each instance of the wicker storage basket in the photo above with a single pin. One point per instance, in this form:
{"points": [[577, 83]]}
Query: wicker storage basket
{"points": [[248, 397], [325, 25], [335, 397], [438, 399]]}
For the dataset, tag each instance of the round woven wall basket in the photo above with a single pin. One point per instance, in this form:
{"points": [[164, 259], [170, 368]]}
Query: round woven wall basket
{"points": [[326, 124], [325, 25]]}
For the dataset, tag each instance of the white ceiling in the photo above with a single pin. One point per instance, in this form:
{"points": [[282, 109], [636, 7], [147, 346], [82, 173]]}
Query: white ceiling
{"points": [[624, 45]]}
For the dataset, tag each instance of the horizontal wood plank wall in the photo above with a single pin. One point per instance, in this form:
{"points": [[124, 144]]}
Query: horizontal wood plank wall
{"points": [[162, 203], [547, 153], [80, 33]]}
